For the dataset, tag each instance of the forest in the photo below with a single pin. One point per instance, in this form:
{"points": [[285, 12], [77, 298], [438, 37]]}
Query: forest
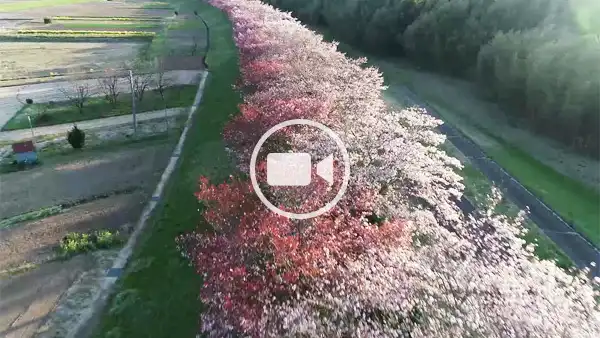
{"points": [[538, 59]]}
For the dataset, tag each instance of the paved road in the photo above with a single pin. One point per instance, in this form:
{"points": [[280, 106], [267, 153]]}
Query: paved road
{"points": [[24, 134], [51, 91], [578, 248]]}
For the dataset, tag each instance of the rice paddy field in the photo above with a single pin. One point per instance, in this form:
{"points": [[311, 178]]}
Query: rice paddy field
{"points": [[74, 36]]}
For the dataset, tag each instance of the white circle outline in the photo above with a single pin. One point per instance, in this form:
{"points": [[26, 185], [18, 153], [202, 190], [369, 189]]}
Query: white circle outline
{"points": [[327, 206]]}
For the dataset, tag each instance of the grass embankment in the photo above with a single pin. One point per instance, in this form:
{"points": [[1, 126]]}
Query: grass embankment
{"points": [[98, 107], [478, 188], [74, 36], [158, 294], [20, 5], [573, 201]]}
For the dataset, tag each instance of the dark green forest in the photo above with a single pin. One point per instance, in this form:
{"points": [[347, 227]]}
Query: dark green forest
{"points": [[538, 59]]}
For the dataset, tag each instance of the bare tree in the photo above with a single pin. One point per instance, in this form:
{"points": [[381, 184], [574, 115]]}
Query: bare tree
{"points": [[141, 83], [109, 85], [194, 48], [78, 94], [161, 83]]}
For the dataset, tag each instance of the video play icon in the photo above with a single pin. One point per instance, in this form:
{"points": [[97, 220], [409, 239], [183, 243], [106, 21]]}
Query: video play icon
{"points": [[294, 169]]}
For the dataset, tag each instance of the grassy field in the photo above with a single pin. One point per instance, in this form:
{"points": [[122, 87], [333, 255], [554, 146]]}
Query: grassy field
{"points": [[98, 107], [157, 296], [20, 5], [21, 60]]}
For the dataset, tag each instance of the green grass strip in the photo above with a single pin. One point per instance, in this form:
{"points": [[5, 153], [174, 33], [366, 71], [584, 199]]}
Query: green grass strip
{"points": [[89, 33], [31, 216], [72, 38], [158, 294], [107, 18], [478, 187]]}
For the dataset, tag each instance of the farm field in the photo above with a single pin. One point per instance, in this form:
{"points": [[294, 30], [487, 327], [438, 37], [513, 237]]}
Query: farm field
{"points": [[124, 178], [21, 59], [103, 187]]}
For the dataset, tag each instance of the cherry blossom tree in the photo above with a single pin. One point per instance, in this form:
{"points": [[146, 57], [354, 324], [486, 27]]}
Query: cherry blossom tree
{"points": [[396, 257]]}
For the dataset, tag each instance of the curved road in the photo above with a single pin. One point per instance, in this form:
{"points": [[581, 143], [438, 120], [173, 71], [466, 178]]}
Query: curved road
{"points": [[577, 247]]}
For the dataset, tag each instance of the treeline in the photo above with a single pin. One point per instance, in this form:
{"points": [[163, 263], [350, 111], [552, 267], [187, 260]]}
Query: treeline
{"points": [[539, 59]]}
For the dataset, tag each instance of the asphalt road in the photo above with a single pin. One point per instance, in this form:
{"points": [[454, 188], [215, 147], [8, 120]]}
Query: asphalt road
{"points": [[51, 91], [575, 245]]}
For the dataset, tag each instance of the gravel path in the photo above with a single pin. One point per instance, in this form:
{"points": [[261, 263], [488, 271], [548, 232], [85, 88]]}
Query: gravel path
{"points": [[26, 299], [25, 134]]}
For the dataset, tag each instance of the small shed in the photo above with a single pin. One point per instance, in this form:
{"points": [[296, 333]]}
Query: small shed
{"points": [[25, 152]]}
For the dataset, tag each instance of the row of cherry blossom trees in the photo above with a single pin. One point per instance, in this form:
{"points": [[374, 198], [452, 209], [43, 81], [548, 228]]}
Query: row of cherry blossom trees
{"points": [[395, 257]]}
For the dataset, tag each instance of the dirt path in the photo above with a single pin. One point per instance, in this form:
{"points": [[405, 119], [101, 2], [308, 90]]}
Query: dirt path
{"points": [[25, 134], [26, 299], [44, 92], [101, 173]]}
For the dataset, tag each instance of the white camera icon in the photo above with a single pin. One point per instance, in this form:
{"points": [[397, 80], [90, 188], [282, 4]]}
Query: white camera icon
{"points": [[294, 169]]}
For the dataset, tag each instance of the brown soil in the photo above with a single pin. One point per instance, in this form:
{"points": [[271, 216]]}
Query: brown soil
{"points": [[84, 177], [34, 242], [26, 299], [96, 8]]}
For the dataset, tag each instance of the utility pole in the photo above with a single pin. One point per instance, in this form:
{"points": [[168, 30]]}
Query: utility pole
{"points": [[31, 128], [133, 102]]}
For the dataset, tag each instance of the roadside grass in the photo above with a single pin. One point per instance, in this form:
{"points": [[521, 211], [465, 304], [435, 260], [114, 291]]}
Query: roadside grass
{"points": [[99, 107], [158, 294], [574, 202], [477, 190], [21, 5], [86, 25]]}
